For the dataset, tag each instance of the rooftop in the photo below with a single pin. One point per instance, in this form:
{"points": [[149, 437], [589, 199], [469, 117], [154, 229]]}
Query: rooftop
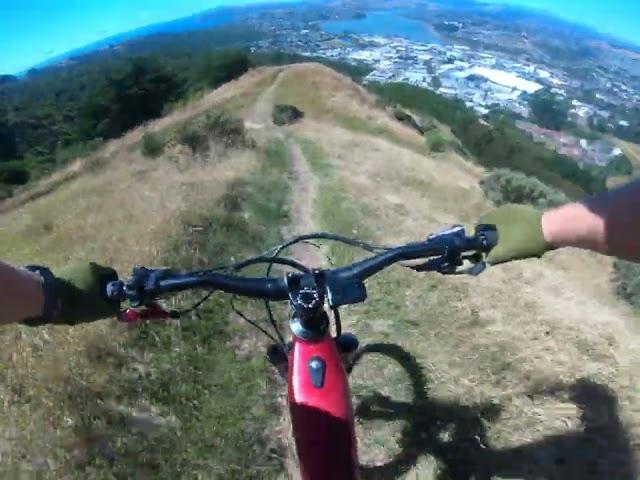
{"points": [[506, 79]]}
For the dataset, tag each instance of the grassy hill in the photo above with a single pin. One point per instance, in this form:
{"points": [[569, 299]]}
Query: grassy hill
{"points": [[524, 372]]}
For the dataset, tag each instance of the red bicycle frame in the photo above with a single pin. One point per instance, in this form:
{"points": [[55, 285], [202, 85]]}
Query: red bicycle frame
{"points": [[319, 397], [321, 411]]}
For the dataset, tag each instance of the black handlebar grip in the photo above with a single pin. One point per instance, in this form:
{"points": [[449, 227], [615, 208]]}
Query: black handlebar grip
{"points": [[115, 291], [488, 235]]}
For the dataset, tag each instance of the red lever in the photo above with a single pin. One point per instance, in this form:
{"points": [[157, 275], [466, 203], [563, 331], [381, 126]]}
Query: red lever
{"points": [[152, 312]]}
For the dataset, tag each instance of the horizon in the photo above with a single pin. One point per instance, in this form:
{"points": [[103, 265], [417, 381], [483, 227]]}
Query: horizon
{"points": [[29, 37], [615, 18], [35, 31]]}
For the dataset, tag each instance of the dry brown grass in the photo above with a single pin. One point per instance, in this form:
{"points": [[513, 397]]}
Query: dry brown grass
{"points": [[324, 94], [121, 216]]}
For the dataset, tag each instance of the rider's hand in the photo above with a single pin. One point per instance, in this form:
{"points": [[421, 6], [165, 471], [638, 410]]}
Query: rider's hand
{"points": [[520, 233], [77, 294]]}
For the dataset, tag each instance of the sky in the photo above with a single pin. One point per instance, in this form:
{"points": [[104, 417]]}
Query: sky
{"points": [[620, 18], [32, 31]]}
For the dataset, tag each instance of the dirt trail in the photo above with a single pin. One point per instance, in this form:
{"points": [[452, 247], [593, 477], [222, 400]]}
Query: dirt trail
{"points": [[304, 184], [259, 116], [304, 190]]}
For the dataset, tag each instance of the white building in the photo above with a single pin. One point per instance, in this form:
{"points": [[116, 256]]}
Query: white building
{"points": [[506, 79]]}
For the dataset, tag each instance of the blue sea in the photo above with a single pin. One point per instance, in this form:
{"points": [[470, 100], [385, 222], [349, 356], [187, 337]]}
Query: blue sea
{"points": [[384, 24]]}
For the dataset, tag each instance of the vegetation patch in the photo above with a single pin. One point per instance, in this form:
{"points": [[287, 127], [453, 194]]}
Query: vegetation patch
{"points": [[286, 114], [498, 144], [506, 186], [193, 138], [227, 130], [548, 110], [373, 128], [436, 142], [220, 127], [186, 405], [152, 144], [365, 126], [409, 120], [627, 281]]}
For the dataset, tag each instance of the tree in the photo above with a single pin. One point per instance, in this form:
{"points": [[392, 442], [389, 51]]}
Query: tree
{"points": [[13, 173], [138, 94], [621, 165], [549, 111], [431, 70], [7, 79], [8, 142], [436, 83], [223, 67]]}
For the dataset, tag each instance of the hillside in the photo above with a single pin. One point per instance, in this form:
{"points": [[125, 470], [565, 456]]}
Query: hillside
{"points": [[521, 373]]}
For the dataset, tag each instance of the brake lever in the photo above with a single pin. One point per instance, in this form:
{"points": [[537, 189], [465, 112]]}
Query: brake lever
{"points": [[153, 311], [451, 265], [441, 265]]}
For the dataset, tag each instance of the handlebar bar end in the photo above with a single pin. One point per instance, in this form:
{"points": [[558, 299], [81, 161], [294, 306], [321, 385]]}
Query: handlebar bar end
{"points": [[115, 291], [488, 235]]}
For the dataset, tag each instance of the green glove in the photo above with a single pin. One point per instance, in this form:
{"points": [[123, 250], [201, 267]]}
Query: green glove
{"points": [[520, 233], [76, 294]]}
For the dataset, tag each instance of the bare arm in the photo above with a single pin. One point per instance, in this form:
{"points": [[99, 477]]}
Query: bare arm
{"points": [[21, 295], [608, 223]]}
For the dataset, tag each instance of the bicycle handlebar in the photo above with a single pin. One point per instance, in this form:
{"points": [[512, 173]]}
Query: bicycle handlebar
{"points": [[345, 285]]}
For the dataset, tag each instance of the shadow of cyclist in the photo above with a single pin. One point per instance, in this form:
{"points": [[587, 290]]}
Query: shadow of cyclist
{"points": [[455, 435], [601, 450]]}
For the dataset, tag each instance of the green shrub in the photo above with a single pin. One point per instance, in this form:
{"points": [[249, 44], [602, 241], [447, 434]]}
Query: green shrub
{"points": [[13, 173], [627, 281], [436, 142], [6, 191], [8, 142], [409, 120], [429, 124], [223, 66], [506, 186], [152, 145], [221, 128], [76, 150], [227, 130], [621, 165], [286, 114], [129, 98], [548, 110], [194, 138]]}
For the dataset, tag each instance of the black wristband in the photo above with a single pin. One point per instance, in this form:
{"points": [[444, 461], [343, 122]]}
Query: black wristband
{"points": [[51, 305]]}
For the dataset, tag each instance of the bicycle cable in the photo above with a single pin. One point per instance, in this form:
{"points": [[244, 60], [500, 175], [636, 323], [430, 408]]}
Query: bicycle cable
{"points": [[272, 257]]}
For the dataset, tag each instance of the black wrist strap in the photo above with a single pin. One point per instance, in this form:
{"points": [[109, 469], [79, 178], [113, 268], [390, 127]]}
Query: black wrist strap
{"points": [[50, 308]]}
